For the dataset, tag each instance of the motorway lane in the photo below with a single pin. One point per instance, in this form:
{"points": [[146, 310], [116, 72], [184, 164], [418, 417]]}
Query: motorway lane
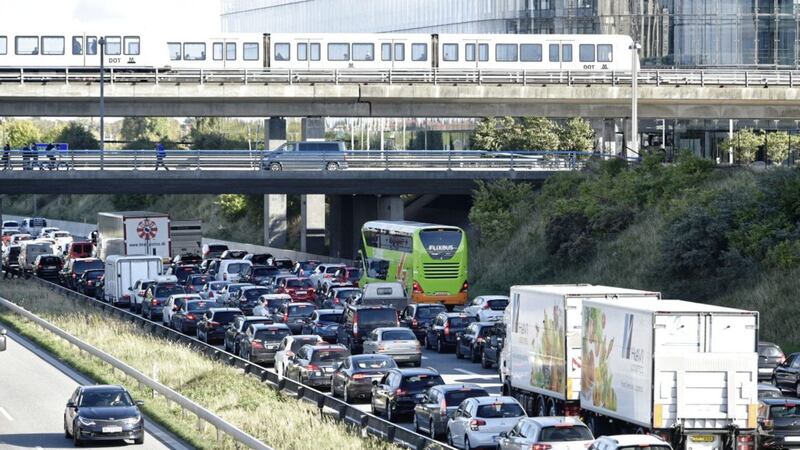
{"points": [[33, 392]]}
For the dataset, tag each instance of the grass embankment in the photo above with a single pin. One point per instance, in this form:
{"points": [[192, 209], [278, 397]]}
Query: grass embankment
{"points": [[280, 421], [689, 230]]}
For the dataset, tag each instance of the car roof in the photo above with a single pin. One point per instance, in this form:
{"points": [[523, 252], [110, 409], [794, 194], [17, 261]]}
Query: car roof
{"points": [[225, 309], [366, 356], [246, 318], [766, 343], [451, 315], [384, 329], [252, 286], [300, 304], [306, 336], [192, 296], [553, 421], [780, 401], [102, 387], [491, 399], [493, 297], [276, 297], [767, 386], [330, 311], [407, 372], [269, 326], [365, 307], [326, 347], [457, 387]]}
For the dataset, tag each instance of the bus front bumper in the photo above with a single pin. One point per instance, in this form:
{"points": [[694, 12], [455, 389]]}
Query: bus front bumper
{"points": [[456, 299]]}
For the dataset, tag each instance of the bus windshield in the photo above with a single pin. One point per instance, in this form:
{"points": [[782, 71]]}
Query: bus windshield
{"points": [[440, 244]]}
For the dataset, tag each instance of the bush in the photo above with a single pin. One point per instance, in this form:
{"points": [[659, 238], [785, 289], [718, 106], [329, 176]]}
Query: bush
{"points": [[499, 208], [234, 206]]}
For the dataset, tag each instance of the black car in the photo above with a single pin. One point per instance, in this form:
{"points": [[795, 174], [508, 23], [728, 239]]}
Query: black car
{"points": [[354, 376], [439, 404], [74, 268], [47, 267], [493, 346], [314, 364], [235, 331], [418, 317], [359, 321], [261, 341], [214, 322], [294, 315], [186, 259], [211, 251], [337, 297], [184, 271], [103, 413], [87, 282], [194, 283], [185, 319], [786, 376], [324, 323], [470, 343], [769, 356], [779, 423], [444, 329], [258, 274], [400, 390], [156, 295], [246, 298]]}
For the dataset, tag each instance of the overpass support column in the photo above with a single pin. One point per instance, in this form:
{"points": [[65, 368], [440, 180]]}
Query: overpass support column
{"points": [[275, 220], [312, 226], [391, 207], [340, 225]]}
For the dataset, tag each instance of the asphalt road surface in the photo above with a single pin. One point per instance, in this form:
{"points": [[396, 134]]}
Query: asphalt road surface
{"points": [[34, 388]]}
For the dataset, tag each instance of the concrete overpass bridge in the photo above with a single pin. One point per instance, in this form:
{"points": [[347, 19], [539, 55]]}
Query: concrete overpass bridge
{"points": [[678, 94]]}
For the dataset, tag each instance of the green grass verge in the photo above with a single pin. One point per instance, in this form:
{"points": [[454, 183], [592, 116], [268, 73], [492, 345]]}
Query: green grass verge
{"points": [[278, 420]]}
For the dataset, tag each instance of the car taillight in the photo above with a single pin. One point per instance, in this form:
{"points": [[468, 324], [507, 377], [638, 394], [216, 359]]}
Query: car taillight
{"points": [[447, 329], [225, 276], [443, 408], [310, 292], [417, 288], [211, 294], [781, 359], [464, 286], [541, 447], [40, 265], [286, 317], [126, 297], [141, 293], [474, 424], [290, 291], [414, 323], [213, 324], [486, 306], [74, 275], [327, 275], [359, 376], [257, 344], [312, 367], [400, 392], [744, 442], [191, 316], [479, 340], [572, 410], [355, 326], [381, 348], [154, 302], [767, 423]]}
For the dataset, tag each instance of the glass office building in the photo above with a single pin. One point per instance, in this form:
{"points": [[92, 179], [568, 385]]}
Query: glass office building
{"points": [[673, 33]]}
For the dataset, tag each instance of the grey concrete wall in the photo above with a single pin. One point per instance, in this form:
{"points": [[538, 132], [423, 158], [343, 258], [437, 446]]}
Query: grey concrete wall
{"points": [[275, 222]]}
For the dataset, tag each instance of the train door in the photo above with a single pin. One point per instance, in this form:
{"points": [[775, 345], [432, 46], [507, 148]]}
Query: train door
{"points": [[476, 52], [393, 52], [560, 54], [309, 52], [224, 52]]}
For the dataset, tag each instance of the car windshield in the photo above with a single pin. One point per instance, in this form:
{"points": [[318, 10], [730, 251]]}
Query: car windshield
{"points": [[460, 322], [354, 274], [283, 264], [99, 399], [344, 293], [649, 447], [307, 266], [61, 234], [373, 364], [276, 302], [769, 351], [265, 271], [252, 295], [429, 312], [83, 266], [332, 269], [272, 335], [198, 306], [498, 305], [398, 335], [329, 317], [782, 411], [11, 224], [237, 268], [454, 398], [297, 284], [225, 316], [93, 274], [420, 382], [301, 310], [377, 317], [565, 433], [50, 260], [234, 288], [329, 356], [199, 281], [167, 289], [297, 344], [499, 411], [184, 270], [216, 287], [769, 393]]}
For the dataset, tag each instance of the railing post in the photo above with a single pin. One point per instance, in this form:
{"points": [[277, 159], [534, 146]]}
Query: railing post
{"points": [[21, 75], [791, 79], [136, 160], [525, 77], [391, 76], [386, 160], [702, 78], [112, 76], [569, 78], [245, 76], [335, 76], [202, 76], [449, 160], [290, 76], [66, 76], [511, 163], [197, 158], [156, 76], [746, 80], [658, 78]]}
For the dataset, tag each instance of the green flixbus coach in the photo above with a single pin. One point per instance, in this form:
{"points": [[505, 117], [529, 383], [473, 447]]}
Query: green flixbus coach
{"points": [[430, 260]]}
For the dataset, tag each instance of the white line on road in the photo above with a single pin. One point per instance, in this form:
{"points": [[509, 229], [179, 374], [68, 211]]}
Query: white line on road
{"points": [[6, 414], [468, 372]]}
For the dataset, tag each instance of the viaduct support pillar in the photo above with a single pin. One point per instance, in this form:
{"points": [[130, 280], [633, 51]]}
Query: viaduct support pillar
{"points": [[275, 231], [312, 207], [391, 207]]}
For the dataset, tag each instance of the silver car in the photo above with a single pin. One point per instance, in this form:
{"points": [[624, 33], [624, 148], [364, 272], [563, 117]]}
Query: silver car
{"points": [[479, 421], [556, 433], [397, 342], [307, 155]]}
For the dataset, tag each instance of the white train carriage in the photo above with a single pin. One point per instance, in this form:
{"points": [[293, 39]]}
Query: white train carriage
{"points": [[222, 51]]}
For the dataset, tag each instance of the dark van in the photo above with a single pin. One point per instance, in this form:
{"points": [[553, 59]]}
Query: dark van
{"points": [[358, 322]]}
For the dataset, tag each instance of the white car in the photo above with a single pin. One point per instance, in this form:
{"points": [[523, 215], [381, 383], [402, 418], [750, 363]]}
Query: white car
{"points": [[44, 232], [553, 433], [487, 308], [478, 421], [137, 294], [227, 291], [642, 441], [62, 238], [322, 272], [212, 289], [173, 304], [289, 347]]}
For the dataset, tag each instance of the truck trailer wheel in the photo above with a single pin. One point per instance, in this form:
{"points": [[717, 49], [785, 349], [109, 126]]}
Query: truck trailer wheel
{"points": [[552, 408], [541, 409]]}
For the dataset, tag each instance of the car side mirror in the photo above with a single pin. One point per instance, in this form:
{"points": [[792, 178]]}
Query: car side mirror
{"points": [[3, 332], [139, 402], [71, 405]]}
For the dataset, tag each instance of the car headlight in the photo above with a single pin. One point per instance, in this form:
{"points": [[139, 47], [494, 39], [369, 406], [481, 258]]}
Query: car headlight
{"points": [[85, 421], [132, 420]]}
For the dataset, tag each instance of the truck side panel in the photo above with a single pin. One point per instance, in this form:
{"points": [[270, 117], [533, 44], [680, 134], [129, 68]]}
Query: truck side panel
{"points": [[147, 236]]}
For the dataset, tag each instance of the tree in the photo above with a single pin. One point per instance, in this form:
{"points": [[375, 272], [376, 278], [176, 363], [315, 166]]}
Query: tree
{"points": [[77, 137], [145, 131], [496, 208], [486, 135], [577, 135], [540, 133], [746, 144], [20, 133], [779, 144]]}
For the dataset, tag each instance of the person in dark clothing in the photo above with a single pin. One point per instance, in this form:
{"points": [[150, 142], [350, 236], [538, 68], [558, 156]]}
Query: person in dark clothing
{"points": [[160, 155], [35, 156], [26, 156], [7, 157], [51, 155]]}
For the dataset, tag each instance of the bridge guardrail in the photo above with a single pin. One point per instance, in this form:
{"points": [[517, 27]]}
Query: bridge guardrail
{"points": [[257, 160], [341, 411], [202, 413], [657, 77]]}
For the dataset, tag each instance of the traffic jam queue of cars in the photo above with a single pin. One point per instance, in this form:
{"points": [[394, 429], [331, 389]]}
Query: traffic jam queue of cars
{"points": [[581, 366]]}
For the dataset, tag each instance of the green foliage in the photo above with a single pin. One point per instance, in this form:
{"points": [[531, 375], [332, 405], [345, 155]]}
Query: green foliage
{"points": [[487, 134], [577, 135], [778, 146], [532, 133], [77, 137], [539, 133], [131, 202], [20, 133], [234, 206], [745, 143], [212, 133], [498, 208]]}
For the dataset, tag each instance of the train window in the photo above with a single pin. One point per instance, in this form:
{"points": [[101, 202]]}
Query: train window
{"points": [[386, 52], [469, 52], [363, 52], [483, 52], [174, 51], [554, 53], [194, 51], [91, 45], [315, 51], [450, 52], [566, 53], [3, 45], [505, 52], [216, 51], [77, 45], [113, 45], [338, 52], [530, 52], [230, 51], [419, 52], [52, 45], [605, 53], [27, 45], [132, 45], [250, 51], [302, 52], [399, 52], [283, 51], [586, 52]]}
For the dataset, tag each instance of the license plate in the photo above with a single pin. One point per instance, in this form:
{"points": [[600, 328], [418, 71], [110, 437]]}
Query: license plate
{"points": [[442, 293], [112, 429], [702, 438], [764, 370], [792, 439]]}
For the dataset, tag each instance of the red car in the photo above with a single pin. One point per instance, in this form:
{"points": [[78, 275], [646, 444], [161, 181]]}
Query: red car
{"points": [[300, 289]]}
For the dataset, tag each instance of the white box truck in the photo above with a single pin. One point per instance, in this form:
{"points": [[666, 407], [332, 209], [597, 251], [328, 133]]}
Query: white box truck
{"points": [[685, 371], [141, 232], [541, 360], [121, 275], [187, 237]]}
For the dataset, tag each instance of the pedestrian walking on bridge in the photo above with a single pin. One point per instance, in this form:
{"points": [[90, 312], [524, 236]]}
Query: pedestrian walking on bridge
{"points": [[160, 155]]}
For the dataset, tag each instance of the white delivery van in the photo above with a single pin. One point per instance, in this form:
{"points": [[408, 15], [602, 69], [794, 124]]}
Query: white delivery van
{"points": [[121, 275], [29, 251], [231, 269]]}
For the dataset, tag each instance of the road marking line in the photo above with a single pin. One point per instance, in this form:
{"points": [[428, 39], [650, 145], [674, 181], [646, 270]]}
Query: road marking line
{"points": [[6, 414], [468, 372]]}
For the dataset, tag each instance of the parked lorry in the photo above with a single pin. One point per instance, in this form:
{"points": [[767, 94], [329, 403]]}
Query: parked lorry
{"points": [[187, 237], [140, 232], [122, 272], [685, 371], [541, 359]]}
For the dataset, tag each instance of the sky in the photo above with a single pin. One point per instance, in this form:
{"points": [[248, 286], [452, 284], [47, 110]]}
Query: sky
{"points": [[168, 16]]}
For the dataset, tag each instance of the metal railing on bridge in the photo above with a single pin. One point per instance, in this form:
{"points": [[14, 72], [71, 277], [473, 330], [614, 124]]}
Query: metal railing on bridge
{"points": [[245, 160], [656, 77]]}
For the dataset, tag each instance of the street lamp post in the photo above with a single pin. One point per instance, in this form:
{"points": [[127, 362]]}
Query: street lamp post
{"points": [[635, 97], [102, 42]]}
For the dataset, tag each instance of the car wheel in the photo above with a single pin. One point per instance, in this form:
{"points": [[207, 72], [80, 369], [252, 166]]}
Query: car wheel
{"points": [[439, 346], [275, 167], [427, 342], [458, 352], [485, 363], [76, 441], [417, 364], [390, 416], [66, 431], [333, 389], [797, 389], [474, 355], [416, 424], [139, 441], [450, 439], [466, 443], [332, 166], [345, 394], [774, 382], [372, 408]]}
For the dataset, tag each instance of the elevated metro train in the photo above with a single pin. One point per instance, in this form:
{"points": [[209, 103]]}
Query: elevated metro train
{"points": [[412, 51]]}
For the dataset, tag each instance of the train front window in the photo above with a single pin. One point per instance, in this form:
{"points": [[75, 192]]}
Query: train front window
{"points": [[469, 52], [91, 45], [363, 52], [419, 52], [530, 52], [174, 51], [230, 51], [505, 52], [399, 52], [450, 52], [27, 45], [3, 45], [283, 52], [194, 51], [338, 52], [131, 45], [113, 45], [250, 51], [386, 52], [216, 51], [604, 53], [77, 45], [586, 52]]}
